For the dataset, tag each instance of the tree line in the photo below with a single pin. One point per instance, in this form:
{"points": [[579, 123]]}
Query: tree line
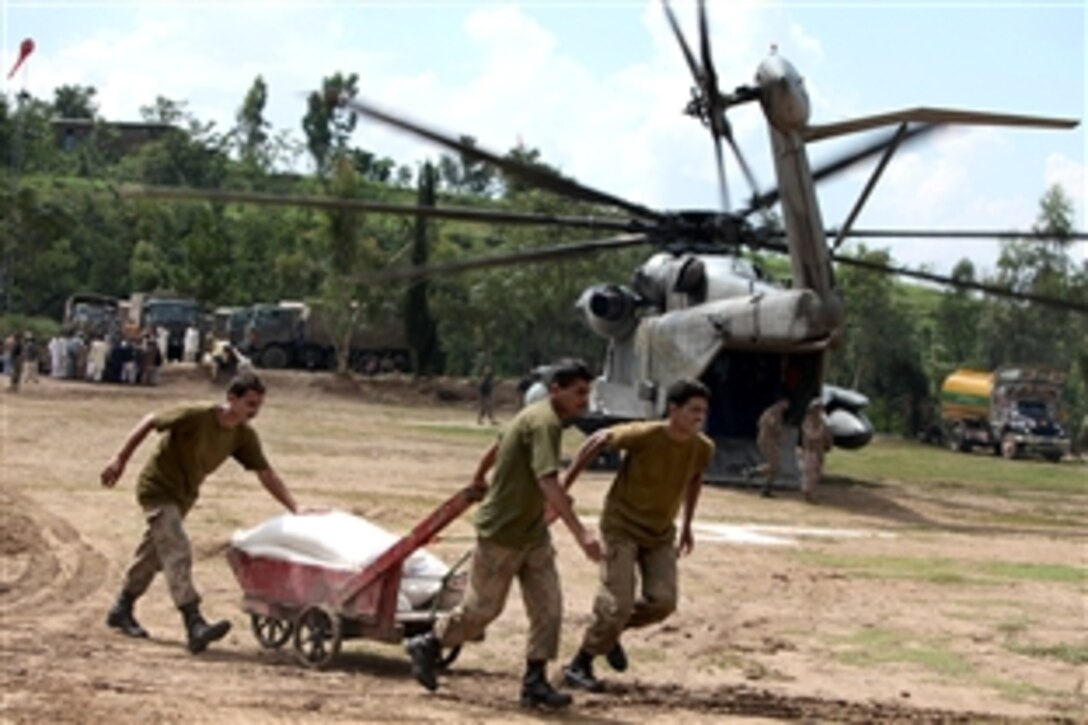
{"points": [[67, 229]]}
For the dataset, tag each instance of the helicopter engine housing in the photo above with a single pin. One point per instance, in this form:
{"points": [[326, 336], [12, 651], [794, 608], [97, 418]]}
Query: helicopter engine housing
{"points": [[609, 310]]}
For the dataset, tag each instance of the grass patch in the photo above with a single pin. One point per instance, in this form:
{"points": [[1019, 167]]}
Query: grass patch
{"points": [[1074, 654], [883, 646], [938, 570], [890, 459]]}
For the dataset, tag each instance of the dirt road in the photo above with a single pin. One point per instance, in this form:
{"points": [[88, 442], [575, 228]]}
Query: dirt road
{"points": [[881, 603]]}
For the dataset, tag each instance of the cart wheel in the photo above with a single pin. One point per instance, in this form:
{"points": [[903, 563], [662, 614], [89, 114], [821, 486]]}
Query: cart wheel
{"points": [[317, 637], [448, 658], [272, 633]]}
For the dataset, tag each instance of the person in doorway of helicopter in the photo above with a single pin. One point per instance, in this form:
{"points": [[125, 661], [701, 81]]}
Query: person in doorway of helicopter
{"points": [[769, 441], [662, 470], [816, 440]]}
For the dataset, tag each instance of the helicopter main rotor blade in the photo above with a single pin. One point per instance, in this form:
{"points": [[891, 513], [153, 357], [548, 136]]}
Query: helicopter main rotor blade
{"points": [[931, 116], [719, 124], [530, 256], [540, 178], [994, 290], [696, 71], [723, 183], [956, 234], [221, 196], [990, 289], [762, 201]]}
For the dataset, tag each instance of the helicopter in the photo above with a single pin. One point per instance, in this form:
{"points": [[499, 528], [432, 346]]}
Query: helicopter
{"points": [[696, 308]]}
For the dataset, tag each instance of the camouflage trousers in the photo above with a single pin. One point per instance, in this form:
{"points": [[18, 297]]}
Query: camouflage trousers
{"points": [[772, 459], [494, 567], [165, 547], [615, 607], [812, 463]]}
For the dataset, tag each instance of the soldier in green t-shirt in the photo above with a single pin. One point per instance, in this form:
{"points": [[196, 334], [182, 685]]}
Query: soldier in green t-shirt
{"points": [[662, 469], [196, 440], [513, 541]]}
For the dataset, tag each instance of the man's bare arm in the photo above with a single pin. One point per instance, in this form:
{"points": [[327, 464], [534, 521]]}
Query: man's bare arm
{"points": [[561, 504], [275, 486], [111, 474], [691, 499], [590, 449]]}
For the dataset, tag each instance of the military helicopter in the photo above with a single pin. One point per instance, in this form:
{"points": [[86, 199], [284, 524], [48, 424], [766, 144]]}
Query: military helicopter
{"points": [[696, 308]]}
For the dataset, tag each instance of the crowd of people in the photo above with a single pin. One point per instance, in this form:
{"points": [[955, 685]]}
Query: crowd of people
{"points": [[79, 356]]}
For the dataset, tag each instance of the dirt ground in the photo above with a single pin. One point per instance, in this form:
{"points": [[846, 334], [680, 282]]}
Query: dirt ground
{"points": [[882, 603]]}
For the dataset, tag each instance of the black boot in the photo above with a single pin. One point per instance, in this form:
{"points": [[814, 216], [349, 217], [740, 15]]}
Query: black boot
{"points": [[536, 691], [200, 633], [425, 649], [120, 616], [579, 673], [617, 658]]}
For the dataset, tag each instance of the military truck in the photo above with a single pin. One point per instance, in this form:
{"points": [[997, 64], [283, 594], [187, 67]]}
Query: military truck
{"points": [[92, 314], [174, 314], [299, 335], [1013, 411]]}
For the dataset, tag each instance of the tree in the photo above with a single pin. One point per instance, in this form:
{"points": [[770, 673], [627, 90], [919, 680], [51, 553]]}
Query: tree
{"points": [[74, 102], [251, 127], [420, 328], [881, 355], [329, 121], [958, 317], [1023, 332]]}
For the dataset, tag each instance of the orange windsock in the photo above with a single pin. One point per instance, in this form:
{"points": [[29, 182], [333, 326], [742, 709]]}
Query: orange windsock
{"points": [[25, 49]]}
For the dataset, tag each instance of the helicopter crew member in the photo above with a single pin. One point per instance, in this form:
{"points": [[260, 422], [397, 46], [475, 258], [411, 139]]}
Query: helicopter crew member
{"points": [[769, 442], [197, 440], [816, 440], [663, 468], [513, 541]]}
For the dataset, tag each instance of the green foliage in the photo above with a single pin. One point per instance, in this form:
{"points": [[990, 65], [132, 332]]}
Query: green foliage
{"points": [[420, 328], [74, 102], [329, 121]]}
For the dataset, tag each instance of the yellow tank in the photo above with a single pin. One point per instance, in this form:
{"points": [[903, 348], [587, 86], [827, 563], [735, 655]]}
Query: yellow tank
{"points": [[966, 394]]}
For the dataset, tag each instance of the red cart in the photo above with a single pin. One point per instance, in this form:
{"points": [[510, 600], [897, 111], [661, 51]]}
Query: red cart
{"points": [[319, 607]]}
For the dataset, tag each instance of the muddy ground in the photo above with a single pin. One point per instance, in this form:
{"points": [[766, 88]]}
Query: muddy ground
{"points": [[881, 603]]}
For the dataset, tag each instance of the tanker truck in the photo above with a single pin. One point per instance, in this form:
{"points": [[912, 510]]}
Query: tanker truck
{"points": [[1013, 411]]}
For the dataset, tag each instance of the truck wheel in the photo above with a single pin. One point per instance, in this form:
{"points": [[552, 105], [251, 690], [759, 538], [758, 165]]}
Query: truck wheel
{"points": [[1009, 449], [274, 357], [955, 439], [312, 357]]}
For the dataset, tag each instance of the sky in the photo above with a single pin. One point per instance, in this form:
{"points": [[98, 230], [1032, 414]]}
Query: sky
{"points": [[599, 87]]}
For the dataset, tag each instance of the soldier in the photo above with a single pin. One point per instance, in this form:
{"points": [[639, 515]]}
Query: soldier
{"points": [[31, 352], [198, 439], [15, 361], [487, 405], [815, 441], [769, 441], [663, 468], [513, 541]]}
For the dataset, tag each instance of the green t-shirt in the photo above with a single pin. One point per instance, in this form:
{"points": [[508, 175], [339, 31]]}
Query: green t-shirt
{"points": [[194, 445], [648, 490], [512, 512]]}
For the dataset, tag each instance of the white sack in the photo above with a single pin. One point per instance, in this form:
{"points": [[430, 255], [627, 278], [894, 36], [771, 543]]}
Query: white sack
{"points": [[339, 540]]}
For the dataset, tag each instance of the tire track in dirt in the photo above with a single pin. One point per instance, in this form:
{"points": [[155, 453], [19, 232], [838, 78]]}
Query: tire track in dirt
{"points": [[45, 565]]}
